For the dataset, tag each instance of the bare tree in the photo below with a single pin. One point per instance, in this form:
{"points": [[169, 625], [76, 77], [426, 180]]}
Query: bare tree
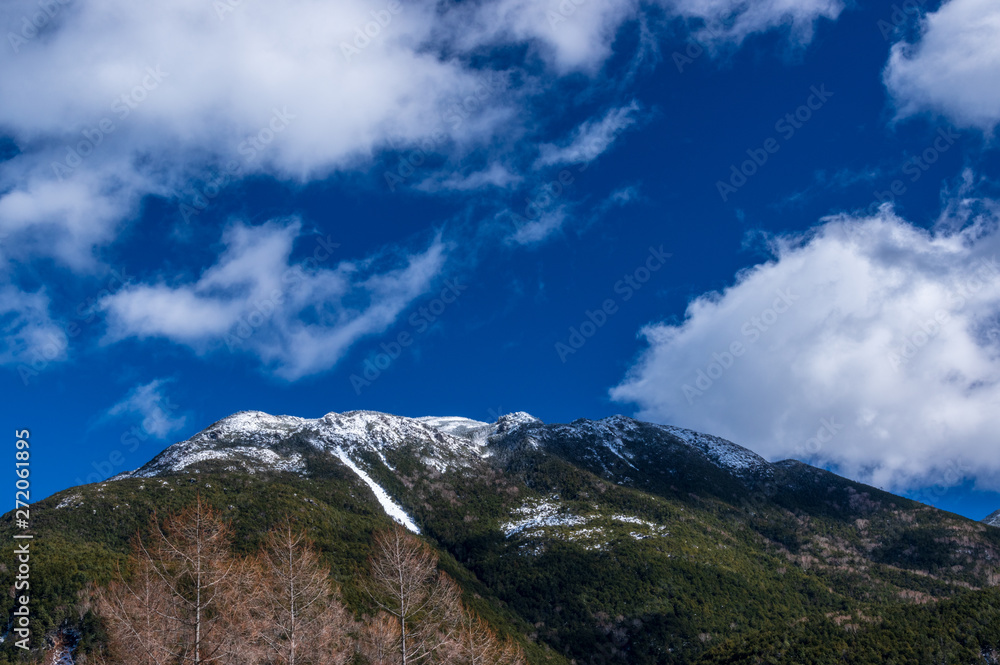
{"points": [[476, 643], [138, 614], [300, 619], [184, 599], [405, 583], [380, 640]]}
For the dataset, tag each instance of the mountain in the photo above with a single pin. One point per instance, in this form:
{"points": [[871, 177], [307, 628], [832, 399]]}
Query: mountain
{"points": [[607, 541], [993, 519]]}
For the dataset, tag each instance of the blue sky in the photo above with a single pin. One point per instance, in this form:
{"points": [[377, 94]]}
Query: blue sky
{"points": [[771, 221]]}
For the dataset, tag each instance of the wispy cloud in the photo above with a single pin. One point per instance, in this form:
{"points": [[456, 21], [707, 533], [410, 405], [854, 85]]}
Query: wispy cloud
{"points": [[150, 403], [296, 320], [29, 333], [535, 231], [591, 139]]}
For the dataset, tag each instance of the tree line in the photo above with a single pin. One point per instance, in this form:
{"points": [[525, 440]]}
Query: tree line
{"points": [[183, 598]]}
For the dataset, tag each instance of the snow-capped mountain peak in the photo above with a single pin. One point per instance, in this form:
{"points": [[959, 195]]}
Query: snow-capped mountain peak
{"points": [[371, 444]]}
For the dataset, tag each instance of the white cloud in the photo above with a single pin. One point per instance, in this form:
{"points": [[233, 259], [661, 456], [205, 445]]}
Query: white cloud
{"points": [[954, 68], [591, 139], [178, 87], [159, 417], [570, 36], [30, 336], [535, 231], [297, 320], [870, 345], [63, 219], [272, 88], [495, 175], [732, 21]]}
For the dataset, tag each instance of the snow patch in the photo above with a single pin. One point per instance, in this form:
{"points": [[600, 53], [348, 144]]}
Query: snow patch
{"points": [[540, 514], [724, 453], [182, 457], [465, 428], [70, 501], [391, 508], [534, 517]]}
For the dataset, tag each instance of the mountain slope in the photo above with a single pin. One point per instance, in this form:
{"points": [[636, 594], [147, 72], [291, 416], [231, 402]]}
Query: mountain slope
{"points": [[610, 541]]}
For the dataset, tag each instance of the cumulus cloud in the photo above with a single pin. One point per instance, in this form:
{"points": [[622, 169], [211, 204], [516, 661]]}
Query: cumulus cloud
{"points": [[179, 91], [298, 319], [572, 35], [150, 403], [953, 68], [870, 345], [295, 89]]}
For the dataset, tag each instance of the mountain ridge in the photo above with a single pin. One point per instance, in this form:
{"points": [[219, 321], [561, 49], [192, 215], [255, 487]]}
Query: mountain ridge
{"points": [[606, 541]]}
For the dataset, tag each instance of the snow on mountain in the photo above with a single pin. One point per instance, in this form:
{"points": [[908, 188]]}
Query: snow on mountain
{"points": [[252, 441], [624, 438], [550, 518], [245, 441], [537, 514], [509, 423], [391, 508], [993, 519], [724, 453], [456, 426]]}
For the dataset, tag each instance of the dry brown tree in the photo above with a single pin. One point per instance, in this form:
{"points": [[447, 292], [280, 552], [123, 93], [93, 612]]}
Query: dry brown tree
{"points": [[300, 618], [476, 643], [380, 638], [183, 599], [405, 584]]}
